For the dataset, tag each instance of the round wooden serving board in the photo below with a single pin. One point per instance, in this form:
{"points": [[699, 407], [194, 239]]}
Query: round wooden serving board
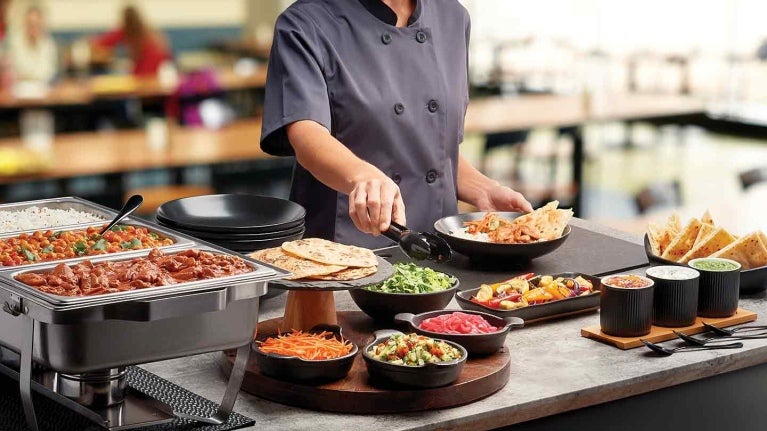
{"points": [[480, 377]]}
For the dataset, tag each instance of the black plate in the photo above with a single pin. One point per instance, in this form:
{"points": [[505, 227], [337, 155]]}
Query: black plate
{"points": [[295, 369], [256, 244], [539, 311], [751, 280], [383, 306], [385, 270], [212, 236], [475, 344], [232, 213], [478, 250], [425, 376]]}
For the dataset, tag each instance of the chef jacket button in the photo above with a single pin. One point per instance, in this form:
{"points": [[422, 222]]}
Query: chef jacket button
{"points": [[431, 176], [433, 105], [399, 108], [420, 37], [386, 38], [397, 178]]}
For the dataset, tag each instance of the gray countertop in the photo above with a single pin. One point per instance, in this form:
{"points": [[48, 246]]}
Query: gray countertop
{"points": [[553, 370]]}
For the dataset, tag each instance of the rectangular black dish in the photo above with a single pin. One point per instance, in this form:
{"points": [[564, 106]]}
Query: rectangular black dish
{"points": [[539, 312]]}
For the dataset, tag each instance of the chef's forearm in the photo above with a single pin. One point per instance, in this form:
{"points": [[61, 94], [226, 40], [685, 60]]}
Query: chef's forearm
{"points": [[328, 159], [472, 184]]}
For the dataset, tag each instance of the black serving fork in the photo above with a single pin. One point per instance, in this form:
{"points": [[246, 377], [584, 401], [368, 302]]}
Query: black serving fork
{"points": [[665, 351]]}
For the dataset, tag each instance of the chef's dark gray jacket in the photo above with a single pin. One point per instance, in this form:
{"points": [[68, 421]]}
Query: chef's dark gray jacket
{"points": [[396, 97]]}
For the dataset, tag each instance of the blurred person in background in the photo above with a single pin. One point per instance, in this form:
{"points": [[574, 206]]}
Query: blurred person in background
{"points": [[147, 47], [32, 50]]}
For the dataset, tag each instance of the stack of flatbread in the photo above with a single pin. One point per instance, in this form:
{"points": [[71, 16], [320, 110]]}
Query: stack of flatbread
{"points": [[548, 221], [703, 238], [319, 259]]}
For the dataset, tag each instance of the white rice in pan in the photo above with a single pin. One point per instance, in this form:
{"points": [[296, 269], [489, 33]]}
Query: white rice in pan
{"points": [[43, 218]]}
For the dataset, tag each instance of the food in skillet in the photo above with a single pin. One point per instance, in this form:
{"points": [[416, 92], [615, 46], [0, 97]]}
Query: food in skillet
{"points": [[544, 224], [44, 246], [305, 345], [413, 350], [703, 238], [411, 278], [458, 323], [525, 290], [157, 269], [319, 259]]}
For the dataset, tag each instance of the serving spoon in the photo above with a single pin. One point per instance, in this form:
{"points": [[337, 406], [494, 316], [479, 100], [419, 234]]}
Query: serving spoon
{"points": [[419, 245], [729, 332], [665, 351], [692, 341], [130, 205]]}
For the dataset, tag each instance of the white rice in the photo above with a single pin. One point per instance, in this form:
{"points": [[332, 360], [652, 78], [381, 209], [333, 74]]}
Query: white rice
{"points": [[42, 218], [463, 233]]}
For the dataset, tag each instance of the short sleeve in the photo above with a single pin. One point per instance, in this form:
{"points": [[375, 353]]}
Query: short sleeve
{"points": [[295, 84]]}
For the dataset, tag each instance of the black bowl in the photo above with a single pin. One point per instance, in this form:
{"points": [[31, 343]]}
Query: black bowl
{"points": [[751, 280], [425, 376], [479, 250], [475, 344], [295, 369], [539, 311], [383, 306], [212, 236], [232, 213]]}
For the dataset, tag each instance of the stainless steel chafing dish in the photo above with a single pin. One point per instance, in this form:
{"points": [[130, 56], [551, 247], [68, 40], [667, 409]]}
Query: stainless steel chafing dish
{"points": [[63, 203], [85, 342]]}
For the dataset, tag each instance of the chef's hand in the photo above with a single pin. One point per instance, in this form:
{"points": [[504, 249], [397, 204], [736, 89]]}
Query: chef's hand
{"points": [[502, 198], [373, 203]]}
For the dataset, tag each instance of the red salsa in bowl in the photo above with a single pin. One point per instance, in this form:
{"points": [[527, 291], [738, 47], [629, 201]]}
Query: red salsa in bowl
{"points": [[627, 281]]}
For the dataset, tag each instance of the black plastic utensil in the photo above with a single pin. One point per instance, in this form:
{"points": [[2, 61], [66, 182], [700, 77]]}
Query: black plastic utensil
{"points": [[692, 341], [419, 245], [729, 332], [665, 351], [130, 205]]}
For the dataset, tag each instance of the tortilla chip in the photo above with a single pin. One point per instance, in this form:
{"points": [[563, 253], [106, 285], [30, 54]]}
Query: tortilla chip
{"points": [[683, 242], [331, 253], [748, 251], [301, 268], [718, 240], [347, 274], [707, 219], [706, 229]]}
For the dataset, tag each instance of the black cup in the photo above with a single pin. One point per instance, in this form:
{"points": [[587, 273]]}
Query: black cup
{"points": [[626, 312], [675, 300], [719, 290]]}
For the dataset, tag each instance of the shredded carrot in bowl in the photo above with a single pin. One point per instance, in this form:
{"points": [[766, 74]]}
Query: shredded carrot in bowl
{"points": [[305, 345]]}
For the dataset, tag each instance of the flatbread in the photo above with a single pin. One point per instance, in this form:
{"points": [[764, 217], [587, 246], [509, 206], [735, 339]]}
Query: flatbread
{"points": [[674, 224], [330, 253], [655, 233], [301, 268], [706, 229], [718, 240], [548, 221], [707, 219], [683, 242], [748, 251], [347, 274]]}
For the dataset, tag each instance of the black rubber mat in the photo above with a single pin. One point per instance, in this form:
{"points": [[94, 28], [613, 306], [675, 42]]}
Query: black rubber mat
{"points": [[54, 416]]}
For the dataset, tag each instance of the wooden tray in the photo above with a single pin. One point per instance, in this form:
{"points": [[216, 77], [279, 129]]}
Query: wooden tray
{"points": [[480, 377], [659, 333]]}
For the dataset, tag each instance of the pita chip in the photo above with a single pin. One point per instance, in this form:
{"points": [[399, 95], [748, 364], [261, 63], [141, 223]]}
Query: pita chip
{"points": [[748, 251], [706, 218], [706, 229], [683, 242], [716, 241], [674, 224]]}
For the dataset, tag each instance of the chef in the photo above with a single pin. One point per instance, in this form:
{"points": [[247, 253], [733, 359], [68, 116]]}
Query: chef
{"points": [[370, 96]]}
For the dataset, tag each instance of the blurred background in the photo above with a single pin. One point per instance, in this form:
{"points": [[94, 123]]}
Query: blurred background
{"points": [[624, 110]]}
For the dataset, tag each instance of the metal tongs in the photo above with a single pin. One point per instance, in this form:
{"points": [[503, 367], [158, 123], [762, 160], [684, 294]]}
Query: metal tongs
{"points": [[419, 245]]}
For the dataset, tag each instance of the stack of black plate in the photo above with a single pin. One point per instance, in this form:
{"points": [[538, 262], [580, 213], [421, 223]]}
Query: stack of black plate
{"points": [[240, 222]]}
